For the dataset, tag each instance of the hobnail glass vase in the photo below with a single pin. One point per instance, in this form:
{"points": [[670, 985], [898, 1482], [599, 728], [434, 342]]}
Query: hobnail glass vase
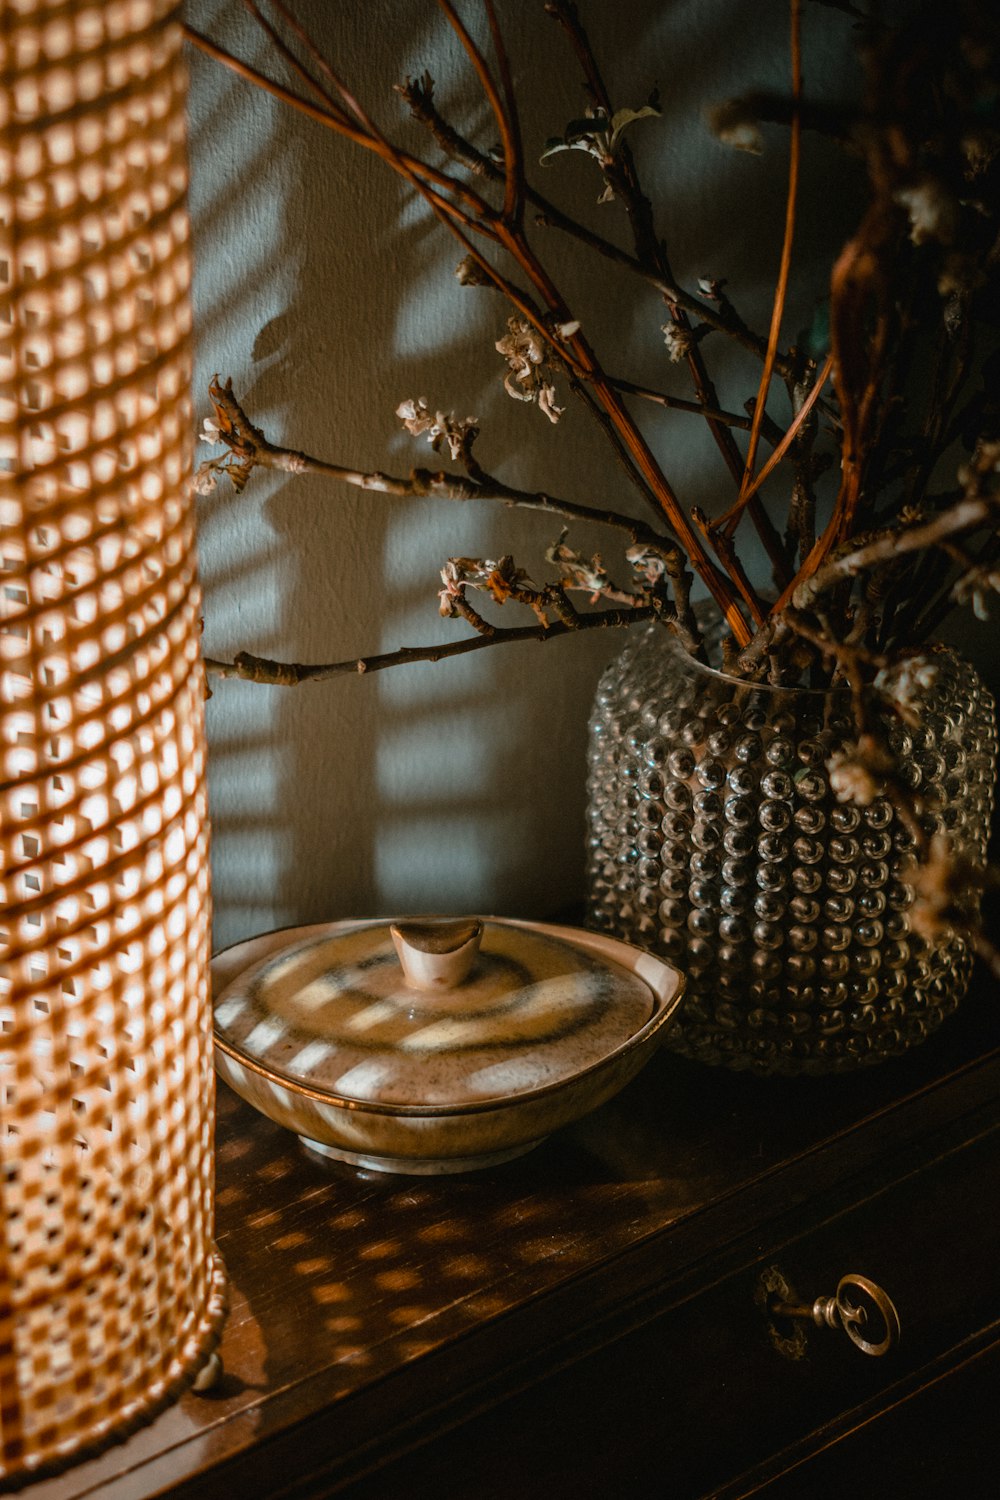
{"points": [[715, 839]]}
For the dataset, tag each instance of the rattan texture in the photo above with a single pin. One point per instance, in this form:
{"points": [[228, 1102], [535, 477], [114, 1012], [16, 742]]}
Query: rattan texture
{"points": [[111, 1293]]}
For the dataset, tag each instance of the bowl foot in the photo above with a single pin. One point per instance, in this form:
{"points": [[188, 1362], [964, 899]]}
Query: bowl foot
{"points": [[417, 1166]]}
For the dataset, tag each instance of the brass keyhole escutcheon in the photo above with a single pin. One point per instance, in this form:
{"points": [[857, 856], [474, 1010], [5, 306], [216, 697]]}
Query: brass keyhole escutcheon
{"points": [[859, 1307]]}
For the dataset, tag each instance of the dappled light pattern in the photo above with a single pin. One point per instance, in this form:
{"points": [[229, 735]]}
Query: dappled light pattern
{"points": [[369, 1261], [110, 1293]]}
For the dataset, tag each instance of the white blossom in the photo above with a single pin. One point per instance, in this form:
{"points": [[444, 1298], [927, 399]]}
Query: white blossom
{"points": [[547, 402], [210, 432], [975, 588], [439, 428], [909, 682], [414, 415], [204, 480], [851, 781], [524, 350], [647, 562], [932, 209], [679, 341]]}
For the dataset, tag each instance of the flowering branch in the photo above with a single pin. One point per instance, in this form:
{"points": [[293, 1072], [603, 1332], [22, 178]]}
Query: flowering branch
{"points": [[248, 449], [290, 674], [603, 400], [924, 254]]}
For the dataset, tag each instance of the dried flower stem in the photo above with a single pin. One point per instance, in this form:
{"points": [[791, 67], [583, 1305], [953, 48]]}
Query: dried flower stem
{"points": [[290, 674], [727, 522], [964, 516], [722, 318], [677, 403], [781, 288], [575, 350], [252, 449]]}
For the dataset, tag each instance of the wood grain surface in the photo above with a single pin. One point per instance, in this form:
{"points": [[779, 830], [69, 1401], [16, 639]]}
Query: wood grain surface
{"points": [[594, 1296]]}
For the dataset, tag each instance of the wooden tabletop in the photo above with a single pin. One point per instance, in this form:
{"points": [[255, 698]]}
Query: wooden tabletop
{"points": [[365, 1308]]}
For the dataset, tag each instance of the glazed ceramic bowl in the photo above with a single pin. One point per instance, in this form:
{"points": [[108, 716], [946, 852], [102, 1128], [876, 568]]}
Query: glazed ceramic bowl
{"points": [[420, 1067]]}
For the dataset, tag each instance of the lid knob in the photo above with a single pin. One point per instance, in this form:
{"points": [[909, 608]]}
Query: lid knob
{"points": [[436, 954]]}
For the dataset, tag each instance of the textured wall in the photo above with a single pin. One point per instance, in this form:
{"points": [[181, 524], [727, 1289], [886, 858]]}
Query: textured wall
{"points": [[326, 294]]}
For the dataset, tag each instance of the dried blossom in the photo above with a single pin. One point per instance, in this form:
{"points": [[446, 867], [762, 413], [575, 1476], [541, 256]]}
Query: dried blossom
{"points": [[858, 773], [588, 573], [204, 480], [456, 432], [908, 683], [974, 587], [523, 350], [648, 562], [679, 341], [933, 211], [851, 781], [469, 272], [547, 402], [526, 355], [501, 579], [947, 886], [735, 123], [236, 467]]}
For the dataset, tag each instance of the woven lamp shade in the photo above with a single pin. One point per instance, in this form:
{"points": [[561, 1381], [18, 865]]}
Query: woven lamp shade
{"points": [[111, 1294]]}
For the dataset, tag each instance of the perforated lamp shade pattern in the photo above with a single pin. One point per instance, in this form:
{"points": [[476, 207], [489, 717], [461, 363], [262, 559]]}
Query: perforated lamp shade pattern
{"points": [[110, 1290]]}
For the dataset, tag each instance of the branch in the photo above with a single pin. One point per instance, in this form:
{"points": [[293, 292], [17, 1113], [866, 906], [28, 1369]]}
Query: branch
{"points": [[966, 515], [478, 210], [722, 317], [291, 674], [251, 449], [677, 403], [728, 521], [786, 251]]}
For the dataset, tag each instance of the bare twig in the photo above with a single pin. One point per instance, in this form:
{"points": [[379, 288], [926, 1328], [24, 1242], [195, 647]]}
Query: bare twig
{"points": [[784, 268], [504, 110], [720, 316], [727, 522], [251, 449], [966, 515], [290, 674]]}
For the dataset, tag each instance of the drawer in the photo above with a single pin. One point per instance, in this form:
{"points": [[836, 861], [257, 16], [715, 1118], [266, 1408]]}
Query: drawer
{"points": [[694, 1392]]}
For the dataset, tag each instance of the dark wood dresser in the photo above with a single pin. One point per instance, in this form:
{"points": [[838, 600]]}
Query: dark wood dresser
{"points": [[589, 1321]]}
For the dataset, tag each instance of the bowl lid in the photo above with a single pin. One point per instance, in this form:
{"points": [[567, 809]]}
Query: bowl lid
{"points": [[381, 1012]]}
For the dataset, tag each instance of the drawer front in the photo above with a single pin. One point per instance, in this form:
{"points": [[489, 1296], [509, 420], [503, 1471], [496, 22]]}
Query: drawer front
{"points": [[931, 1242], [697, 1393]]}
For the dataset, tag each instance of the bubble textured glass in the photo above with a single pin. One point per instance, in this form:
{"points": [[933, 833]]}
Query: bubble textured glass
{"points": [[716, 841]]}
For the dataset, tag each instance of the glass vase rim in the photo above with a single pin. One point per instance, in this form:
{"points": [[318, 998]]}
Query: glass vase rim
{"points": [[840, 691]]}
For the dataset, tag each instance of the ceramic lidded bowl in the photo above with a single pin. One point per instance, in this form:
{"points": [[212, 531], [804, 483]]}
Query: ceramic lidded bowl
{"points": [[430, 1045]]}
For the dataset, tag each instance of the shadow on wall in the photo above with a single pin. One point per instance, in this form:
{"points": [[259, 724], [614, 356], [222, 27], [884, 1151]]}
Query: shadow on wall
{"points": [[327, 294]]}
